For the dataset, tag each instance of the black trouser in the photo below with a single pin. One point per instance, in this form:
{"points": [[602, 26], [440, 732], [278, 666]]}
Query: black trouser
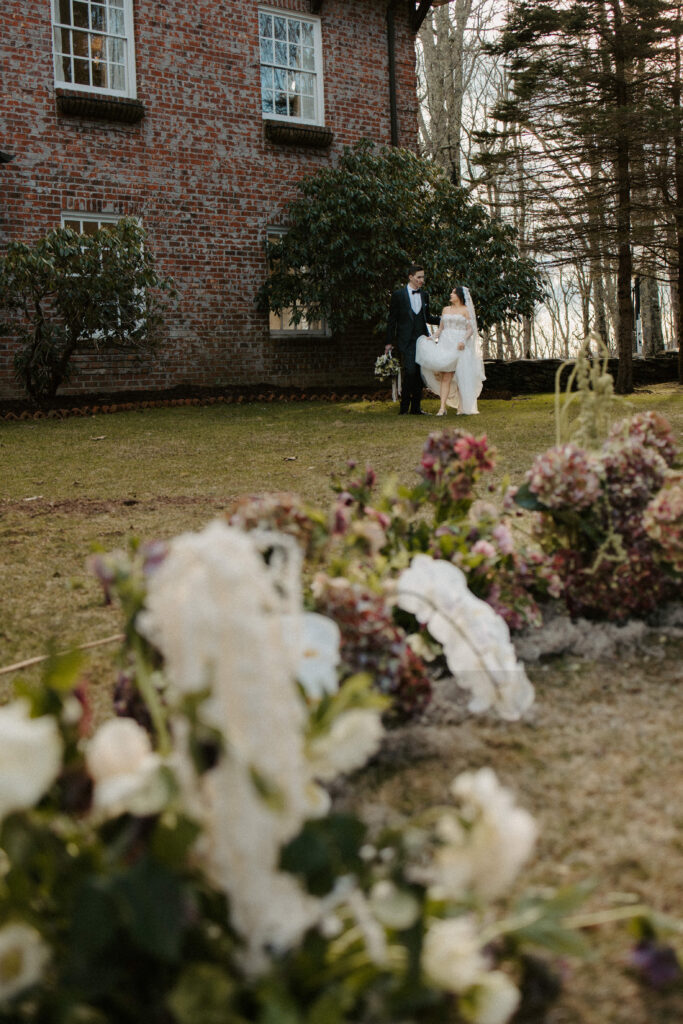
{"points": [[411, 387]]}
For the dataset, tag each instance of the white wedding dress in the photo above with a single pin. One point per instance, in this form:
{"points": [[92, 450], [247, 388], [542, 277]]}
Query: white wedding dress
{"points": [[445, 356]]}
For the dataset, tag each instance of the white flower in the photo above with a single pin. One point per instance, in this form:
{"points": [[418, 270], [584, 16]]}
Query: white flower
{"points": [[451, 954], [30, 757], [125, 770], [217, 613], [23, 956], [475, 639], [354, 736], [501, 837], [493, 1000], [393, 907], [319, 655]]}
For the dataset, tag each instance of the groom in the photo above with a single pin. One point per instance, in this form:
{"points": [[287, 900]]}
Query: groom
{"points": [[408, 319]]}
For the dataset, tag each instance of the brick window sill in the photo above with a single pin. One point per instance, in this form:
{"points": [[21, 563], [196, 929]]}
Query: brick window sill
{"points": [[314, 136], [103, 108]]}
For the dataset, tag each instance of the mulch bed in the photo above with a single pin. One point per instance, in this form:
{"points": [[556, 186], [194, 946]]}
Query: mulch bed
{"points": [[137, 401]]}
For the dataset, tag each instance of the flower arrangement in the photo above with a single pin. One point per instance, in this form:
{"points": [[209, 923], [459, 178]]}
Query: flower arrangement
{"points": [[592, 522], [195, 870], [387, 366]]}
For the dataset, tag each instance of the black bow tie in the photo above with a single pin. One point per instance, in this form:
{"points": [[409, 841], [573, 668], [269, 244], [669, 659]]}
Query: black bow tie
{"points": [[416, 291]]}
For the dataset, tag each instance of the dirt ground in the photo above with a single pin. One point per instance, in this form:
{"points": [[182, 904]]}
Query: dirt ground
{"points": [[599, 762]]}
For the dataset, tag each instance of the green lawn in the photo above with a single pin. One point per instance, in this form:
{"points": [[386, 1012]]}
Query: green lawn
{"points": [[66, 485]]}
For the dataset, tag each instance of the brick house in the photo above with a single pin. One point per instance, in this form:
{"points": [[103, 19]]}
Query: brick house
{"points": [[198, 119]]}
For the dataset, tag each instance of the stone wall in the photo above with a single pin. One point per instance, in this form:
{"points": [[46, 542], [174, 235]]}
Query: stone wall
{"points": [[534, 376], [199, 171]]}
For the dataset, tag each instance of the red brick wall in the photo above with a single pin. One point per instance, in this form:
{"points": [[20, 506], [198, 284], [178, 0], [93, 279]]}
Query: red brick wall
{"points": [[198, 171]]}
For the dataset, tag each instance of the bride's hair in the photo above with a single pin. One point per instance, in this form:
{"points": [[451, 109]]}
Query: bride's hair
{"points": [[460, 293]]}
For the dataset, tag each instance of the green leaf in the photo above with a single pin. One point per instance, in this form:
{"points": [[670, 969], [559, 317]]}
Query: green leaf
{"points": [[324, 850], [527, 499], [203, 995], [153, 908]]}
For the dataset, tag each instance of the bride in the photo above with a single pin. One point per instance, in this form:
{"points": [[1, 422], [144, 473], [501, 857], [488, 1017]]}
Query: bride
{"points": [[451, 360]]}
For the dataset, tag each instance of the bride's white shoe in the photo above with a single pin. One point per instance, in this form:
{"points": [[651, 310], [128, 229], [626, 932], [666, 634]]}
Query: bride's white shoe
{"points": [[441, 412]]}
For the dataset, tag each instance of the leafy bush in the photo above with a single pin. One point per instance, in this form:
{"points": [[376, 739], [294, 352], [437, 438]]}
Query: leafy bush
{"points": [[69, 291], [355, 228]]}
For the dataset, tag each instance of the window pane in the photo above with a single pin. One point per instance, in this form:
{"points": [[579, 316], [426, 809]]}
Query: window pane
{"points": [[63, 11], [117, 77], [275, 321], [80, 43], [307, 84], [280, 103], [307, 36], [80, 14], [90, 227], [267, 78], [98, 18], [308, 107], [266, 51], [116, 51], [99, 74], [116, 23], [294, 56], [81, 72], [265, 22], [294, 106], [267, 102], [294, 28], [281, 53], [280, 78], [308, 58], [75, 225], [280, 28]]}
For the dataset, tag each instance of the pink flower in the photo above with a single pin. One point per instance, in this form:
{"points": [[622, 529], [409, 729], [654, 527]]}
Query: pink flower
{"points": [[503, 538], [484, 548]]}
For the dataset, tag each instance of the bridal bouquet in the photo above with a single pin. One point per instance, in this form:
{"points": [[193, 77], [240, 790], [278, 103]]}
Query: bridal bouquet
{"points": [[387, 366]]}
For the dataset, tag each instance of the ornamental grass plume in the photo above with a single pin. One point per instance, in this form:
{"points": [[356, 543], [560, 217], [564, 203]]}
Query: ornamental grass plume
{"points": [[593, 393]]}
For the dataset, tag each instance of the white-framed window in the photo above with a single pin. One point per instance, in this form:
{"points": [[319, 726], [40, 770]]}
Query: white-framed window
{"points": [[87, 223], [291, 67], [90, 224], [281, 324], [93, 46]]}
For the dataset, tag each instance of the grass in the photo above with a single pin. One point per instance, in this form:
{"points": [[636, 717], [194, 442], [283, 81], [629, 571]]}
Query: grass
{"points": [[589, 763], [67, 485]]}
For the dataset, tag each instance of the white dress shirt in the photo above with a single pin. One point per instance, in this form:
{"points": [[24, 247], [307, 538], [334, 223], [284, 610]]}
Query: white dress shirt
{"points": [[415, 300]]}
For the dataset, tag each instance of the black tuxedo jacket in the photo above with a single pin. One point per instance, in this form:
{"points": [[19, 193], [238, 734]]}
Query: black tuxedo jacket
{"points": [[404, 327]]}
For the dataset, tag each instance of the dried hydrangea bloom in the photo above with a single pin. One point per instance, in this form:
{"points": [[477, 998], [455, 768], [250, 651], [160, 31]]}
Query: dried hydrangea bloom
{"points": [[565, 477], [652, 429], [663, 520]]}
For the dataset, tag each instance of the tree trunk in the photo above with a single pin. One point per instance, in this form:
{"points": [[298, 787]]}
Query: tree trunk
{"points": [[678, 163], [651, 317], [624, 381]]}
